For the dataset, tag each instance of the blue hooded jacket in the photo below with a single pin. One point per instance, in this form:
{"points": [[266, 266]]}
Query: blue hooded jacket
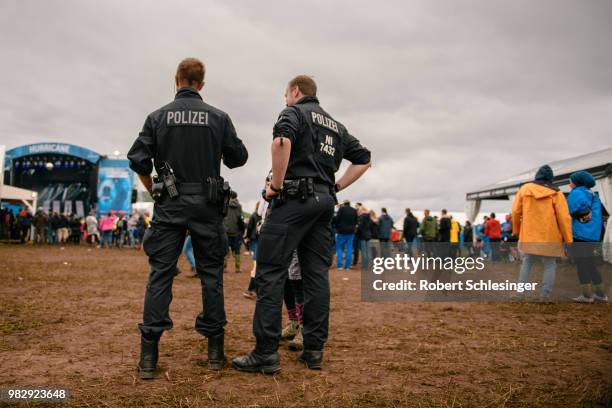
{"points": [[582, 199]]}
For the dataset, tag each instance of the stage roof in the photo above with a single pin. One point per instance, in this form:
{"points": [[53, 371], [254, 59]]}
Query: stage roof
{"points": [[599, 164], [50, 149]]}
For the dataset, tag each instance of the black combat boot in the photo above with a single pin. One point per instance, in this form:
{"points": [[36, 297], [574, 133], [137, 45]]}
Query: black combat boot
{"points": [[216, 357], [312, 358], [254, 362], [148, 358]]}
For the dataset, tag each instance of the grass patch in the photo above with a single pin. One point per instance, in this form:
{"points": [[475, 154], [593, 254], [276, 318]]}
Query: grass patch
{"points": [[11, 327]]}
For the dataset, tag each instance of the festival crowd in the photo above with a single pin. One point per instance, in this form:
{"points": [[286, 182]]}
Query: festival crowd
{"points": [[541, 221], [110, 230]]}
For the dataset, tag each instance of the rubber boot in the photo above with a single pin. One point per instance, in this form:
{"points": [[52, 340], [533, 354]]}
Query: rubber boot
{"points": [[216, 356], [149, 354]]}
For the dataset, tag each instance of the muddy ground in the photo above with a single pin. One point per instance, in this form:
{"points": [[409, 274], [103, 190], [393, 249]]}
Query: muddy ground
{"points": [[68, 319]]}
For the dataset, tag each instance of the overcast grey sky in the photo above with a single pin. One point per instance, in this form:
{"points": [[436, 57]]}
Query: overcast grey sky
{"points": [[448, 95]]}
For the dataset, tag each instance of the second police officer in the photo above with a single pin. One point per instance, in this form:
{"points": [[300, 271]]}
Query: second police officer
{"points": [[185, 141], [307, 149]]}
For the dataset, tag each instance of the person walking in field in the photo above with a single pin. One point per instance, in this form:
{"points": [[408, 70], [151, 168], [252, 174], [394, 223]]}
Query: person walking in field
{"points": [[585, 210], [234, 228], [122, 227], [542, 221], [63, 231], [91, 223], [131, 229], [251, 238], [493, 231], [455, 232], [54, 224], [385, 225], [468, 238], [345, 222], [429, 232], [107, 224], [188, 251], [40, 222], [356, 248], [410, 230]]}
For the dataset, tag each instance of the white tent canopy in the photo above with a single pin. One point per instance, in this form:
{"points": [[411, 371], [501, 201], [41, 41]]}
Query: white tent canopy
{"points": [[599, 164], [16, 194]]}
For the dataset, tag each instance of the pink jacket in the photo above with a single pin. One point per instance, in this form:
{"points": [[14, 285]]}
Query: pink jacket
{"points": [[107, 223]]}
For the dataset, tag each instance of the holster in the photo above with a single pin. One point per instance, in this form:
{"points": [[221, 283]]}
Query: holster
{"points": [[218, 192], [299, 189], [157, 188]]}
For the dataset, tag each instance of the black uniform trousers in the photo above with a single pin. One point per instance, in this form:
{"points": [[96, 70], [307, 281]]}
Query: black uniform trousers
{"points": [[163, 243], [307, 227]]}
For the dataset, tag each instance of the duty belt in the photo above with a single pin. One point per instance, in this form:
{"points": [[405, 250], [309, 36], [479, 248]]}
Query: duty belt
{"points": [[322, 188], [303, 188], [215, 189], [191, 188]]}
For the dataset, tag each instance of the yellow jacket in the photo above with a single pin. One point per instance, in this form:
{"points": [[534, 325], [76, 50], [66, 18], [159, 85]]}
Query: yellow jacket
{"points": [[541, 220], [454, 232]]}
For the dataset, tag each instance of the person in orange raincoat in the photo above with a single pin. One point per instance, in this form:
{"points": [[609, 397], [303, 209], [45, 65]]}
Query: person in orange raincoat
{"points": [[543, 224]]}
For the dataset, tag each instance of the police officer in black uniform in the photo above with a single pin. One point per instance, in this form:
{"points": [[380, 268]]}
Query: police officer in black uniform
{"points": [[186, 141], [307, 150]]}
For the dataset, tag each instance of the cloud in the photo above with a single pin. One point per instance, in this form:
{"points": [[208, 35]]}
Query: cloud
{"points": [[449, 96]]}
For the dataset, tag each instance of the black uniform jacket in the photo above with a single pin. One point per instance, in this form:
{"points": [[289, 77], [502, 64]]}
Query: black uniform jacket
{"points": [[191, 135], [318, 142]]}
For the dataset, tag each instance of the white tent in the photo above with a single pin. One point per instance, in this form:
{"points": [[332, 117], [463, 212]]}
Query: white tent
{"points": [[599, 164], [19, 195], [14, 194]]}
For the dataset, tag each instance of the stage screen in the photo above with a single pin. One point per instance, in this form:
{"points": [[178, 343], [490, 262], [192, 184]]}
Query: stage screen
{"points": [[115, 180]]}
